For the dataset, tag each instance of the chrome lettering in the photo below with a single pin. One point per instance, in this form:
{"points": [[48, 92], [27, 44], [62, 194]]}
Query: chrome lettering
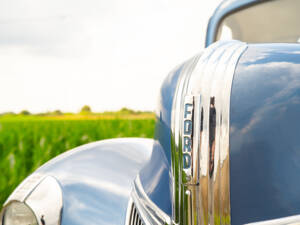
{"points": [[186, 109], [187, 144], [187, 133], [186, 161], [188, 125]]}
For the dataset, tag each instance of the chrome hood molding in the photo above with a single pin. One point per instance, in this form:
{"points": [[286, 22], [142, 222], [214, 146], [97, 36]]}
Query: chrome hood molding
{"points": [[200, 136]]}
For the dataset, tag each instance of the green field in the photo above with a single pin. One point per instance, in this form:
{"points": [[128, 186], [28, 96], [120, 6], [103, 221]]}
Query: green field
{"points": [[28, 142]]}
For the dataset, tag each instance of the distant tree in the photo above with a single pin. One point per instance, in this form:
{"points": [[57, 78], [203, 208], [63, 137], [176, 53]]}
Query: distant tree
{"points": [[57, 112], [125, 110], [24, 112], [86, 109]]}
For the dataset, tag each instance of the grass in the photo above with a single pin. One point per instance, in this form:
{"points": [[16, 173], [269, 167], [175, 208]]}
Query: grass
{"points": [[26, 142]]}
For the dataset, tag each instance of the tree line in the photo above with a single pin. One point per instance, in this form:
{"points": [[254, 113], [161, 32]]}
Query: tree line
{"points": [[85, 110]]}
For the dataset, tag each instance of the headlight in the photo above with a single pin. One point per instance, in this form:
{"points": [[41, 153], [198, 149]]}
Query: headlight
{"points": [[37, 200], [17, 213]]}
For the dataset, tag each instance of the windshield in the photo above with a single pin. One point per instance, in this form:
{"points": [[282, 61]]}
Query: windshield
{"points": [[272, 21]]}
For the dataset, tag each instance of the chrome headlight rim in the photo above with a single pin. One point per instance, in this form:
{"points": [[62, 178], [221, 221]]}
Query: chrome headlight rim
{"points": [[10, 204], [42, 194]]}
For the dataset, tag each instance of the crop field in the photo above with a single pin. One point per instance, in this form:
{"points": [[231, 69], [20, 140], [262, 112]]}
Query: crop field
{"points": [[27, 143]]}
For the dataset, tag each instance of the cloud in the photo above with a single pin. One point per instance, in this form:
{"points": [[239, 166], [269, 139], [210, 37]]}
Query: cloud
{"points": [[108, 54]]}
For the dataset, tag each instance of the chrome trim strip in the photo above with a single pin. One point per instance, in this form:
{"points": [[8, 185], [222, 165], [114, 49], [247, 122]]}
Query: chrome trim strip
{"points": [[150, 213], [204, 197], [129, 212], [25, 188], [185, 74]]}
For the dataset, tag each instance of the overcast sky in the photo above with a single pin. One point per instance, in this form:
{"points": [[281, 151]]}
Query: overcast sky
{"points": [[108, 54]]}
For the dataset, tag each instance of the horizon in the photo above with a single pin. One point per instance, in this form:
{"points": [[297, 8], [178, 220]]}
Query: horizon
{"points": [[75, 112]]}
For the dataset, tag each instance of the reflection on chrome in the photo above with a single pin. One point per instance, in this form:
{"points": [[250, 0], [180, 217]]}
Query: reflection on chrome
{"points": [[202, 98], [212, 135]]}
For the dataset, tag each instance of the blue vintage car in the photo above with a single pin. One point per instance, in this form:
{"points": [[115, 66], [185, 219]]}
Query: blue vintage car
{"points": [[226, 147]]}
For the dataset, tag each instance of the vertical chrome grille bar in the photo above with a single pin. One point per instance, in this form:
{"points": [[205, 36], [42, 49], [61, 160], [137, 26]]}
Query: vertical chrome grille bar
{"points": [[202, 190], [134, 218]]}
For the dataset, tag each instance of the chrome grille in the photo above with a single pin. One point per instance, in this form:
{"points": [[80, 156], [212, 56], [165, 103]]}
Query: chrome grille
{"points": [[135, 218]]}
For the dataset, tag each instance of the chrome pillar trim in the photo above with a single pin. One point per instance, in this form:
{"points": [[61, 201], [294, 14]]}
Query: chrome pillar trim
{"points": [[200, 137], [149, 212], [290, 220], [43, 195]]}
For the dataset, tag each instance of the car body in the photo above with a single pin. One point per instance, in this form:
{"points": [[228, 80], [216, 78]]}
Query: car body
{"points": [[226, 148]]}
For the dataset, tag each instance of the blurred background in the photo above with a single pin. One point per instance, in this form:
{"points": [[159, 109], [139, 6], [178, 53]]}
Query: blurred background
{"points": [[76, 71]]}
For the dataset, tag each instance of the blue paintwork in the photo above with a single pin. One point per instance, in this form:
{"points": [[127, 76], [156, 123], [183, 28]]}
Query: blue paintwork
{"points": [[96, 179], [264, 134], [156, 176], [164, 111]]}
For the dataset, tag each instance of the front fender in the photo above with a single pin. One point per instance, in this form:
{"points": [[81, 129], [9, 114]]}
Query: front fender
{"points": [[96, 179]]}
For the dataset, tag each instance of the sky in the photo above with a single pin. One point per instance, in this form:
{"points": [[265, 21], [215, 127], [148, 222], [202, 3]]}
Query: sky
{"points": [[106, 54]]}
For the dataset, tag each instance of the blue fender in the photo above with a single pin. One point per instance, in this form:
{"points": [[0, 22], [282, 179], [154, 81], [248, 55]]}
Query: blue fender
{"points": [[264, 134], [96, 179]]}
